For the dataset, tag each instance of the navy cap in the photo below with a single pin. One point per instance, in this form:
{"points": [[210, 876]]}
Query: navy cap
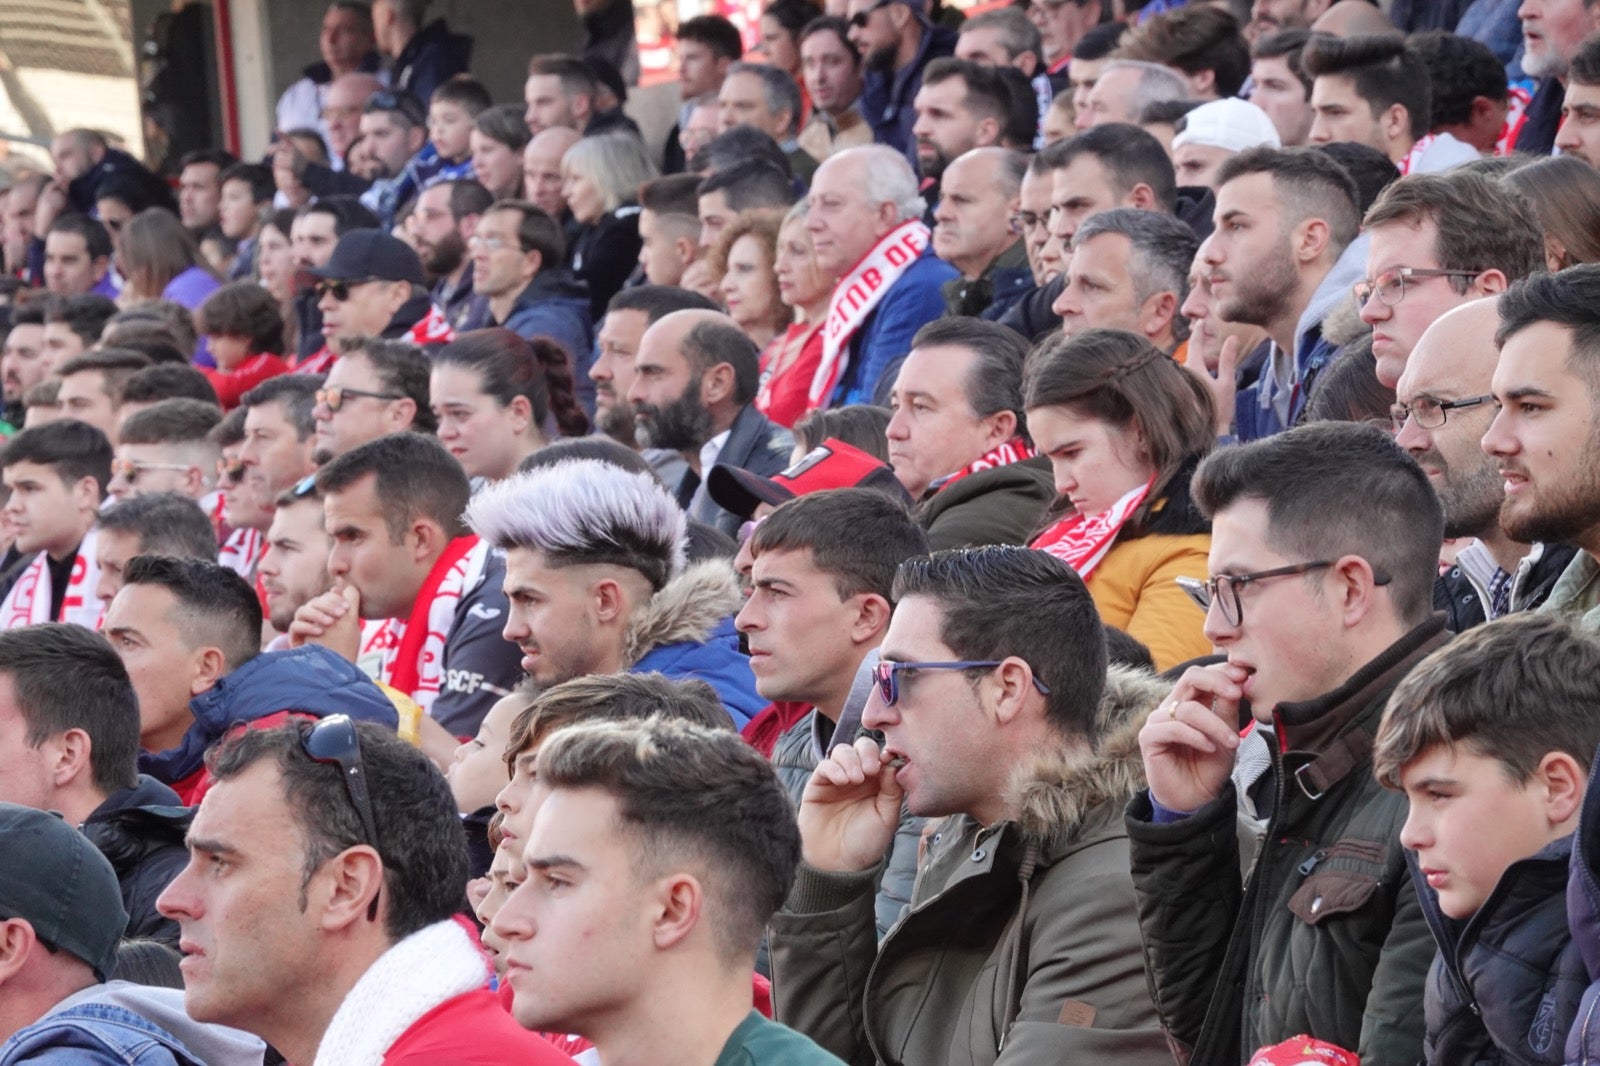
{"points": [[372, 255], [52, 877]]}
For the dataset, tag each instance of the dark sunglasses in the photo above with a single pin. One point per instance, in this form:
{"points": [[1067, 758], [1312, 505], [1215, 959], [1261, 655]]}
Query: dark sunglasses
{"points": [[334, 741], [232, 470], [339, 288], [887, 675], [406, 104], [859, 19]]}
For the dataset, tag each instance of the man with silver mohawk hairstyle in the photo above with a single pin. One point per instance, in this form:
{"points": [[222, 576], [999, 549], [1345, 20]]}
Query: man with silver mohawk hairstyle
{"points": [[596, 582]]}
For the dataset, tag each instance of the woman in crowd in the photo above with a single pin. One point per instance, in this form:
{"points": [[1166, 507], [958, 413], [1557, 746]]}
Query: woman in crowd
{"points": [[499, 399], [742, 263], [498, 138], [1565, 192], [275, 267], [600, 177], [781, 24], [161, 261], [1124, 428], [792, 360]]}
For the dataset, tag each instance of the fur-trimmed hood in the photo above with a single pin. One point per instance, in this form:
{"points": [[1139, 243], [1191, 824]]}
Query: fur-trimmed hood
{"points": [[1055, 793], [688, 610]]}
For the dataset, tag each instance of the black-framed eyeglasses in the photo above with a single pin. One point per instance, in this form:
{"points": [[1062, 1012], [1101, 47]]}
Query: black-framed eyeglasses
{"points": [[1390, 286], [339, 288], [1430, 413], [887, 675], [1223, 590], [858, 21], [334, 396], [334, 741], [1030, 220]]}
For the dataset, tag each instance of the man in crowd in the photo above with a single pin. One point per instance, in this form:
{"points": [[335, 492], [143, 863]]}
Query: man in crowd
{"points": [[346, 45], [372, 286], [313, 236], [1277, 259], [1125, 88], [294, 565], [541, 173], [442, 224], [279, 439], [866, 230], [200, 188], [561, 91], [1030, 692], [1215, 132], [56, 475], [165, 448], [62, 930], [1552, 33], [1033, 222], [975, 231], [647, 816], [1062, 24], [752, 184], [761, 95], [1280, 86], [22, 362], [898, 42], [377, 387], [962, 105], [958, 440], [72, 325], [154, 523], [91, 387], [1579, 131], [830, 64], [1541, 439], [521, 284], [695, 376], [347, 99], [401, 556], [315, 980], [1471, 100], [77, 257], [1324, 547], [1428, 251], [707, 46], [425, 56], [595, 580], [1445, 405], [1129, 270], [669, 227]]}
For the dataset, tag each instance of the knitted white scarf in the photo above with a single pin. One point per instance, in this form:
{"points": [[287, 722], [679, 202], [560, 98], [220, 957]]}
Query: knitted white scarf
{"points": [[425, 969]]}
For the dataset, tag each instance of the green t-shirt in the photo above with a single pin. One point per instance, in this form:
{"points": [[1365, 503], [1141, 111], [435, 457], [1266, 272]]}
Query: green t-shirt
{"points": [[759, 1042]]}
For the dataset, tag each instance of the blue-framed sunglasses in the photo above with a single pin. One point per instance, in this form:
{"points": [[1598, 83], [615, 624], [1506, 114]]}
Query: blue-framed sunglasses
{"points": [[887, 675]]}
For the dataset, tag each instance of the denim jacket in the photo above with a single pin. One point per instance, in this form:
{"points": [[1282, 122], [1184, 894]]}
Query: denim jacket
{"points": [[100, 1027]]}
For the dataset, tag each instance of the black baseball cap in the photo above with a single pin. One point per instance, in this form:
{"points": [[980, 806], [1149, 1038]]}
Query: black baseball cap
{"points": [[59, 883], [372, 255]]}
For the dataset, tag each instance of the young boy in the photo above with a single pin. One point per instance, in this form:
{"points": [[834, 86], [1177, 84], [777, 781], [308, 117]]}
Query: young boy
{"points": [[1491, 738], [243, 327], [452, 113]]}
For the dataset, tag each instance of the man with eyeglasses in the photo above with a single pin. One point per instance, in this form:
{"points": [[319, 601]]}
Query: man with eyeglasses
{"points": [[898, 42], [372, 286], [1429, 249], [976, 231], [517, 252], [997, 713], [1061, 24], [1324, 549], [319, 907], [376, 388], [1444, 407]]}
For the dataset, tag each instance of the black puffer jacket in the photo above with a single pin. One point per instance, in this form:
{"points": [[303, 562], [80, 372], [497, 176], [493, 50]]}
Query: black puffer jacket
{"points": [[1462, 601], [140, 830]]}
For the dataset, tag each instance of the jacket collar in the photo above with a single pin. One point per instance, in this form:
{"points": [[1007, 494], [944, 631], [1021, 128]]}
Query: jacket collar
{"points": [[686, 611]]}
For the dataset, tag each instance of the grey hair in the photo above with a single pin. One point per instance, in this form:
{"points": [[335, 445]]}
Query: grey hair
{"points": [[617, 163], [781, 92], [585, 512], [1163, 251], [1018, 34], [1156, 83], [888, 179]]}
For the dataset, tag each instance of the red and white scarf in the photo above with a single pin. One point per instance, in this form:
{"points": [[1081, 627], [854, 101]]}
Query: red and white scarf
{"points": [[319, 362], [1081, 542], [28, 602], [242, 551], [413, 649], [1516, 118], [1014, 450], [433, 328], [858, 294]]}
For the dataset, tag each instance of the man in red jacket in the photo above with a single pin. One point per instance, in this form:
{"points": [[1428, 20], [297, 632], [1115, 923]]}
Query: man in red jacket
{"points": [[337, 943]]}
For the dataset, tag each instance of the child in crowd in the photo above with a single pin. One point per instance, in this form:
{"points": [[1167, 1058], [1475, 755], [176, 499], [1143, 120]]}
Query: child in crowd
{"points": [[478, 773], [1491, 738], [452, 115], [243, 326]]}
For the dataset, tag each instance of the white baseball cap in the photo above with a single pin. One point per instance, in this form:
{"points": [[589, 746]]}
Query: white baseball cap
{"points": [[1233, 124]]}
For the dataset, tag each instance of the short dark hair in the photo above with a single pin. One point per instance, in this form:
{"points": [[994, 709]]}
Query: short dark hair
{"points": [[179, 420], [741, 144], [595, 446], [219, 608], [1457, 203], [615, 697], [165, 523], [424, 852], [576, 77], [1287, 45], [673, 194], [467, 197], [1100, 41], [1193, 39], [1308, 182], [1382, 70], [716, 33], [96, 238], [401, 368], [1130, 155], [86, 314], [537, 232], [415, 477], [986, 95], [1585, 66], [859, 425], [296, 393], [1460, 69], [152, 340], [216, 157], [1002, 600], [68, 677], [994, 382], [857, 536], [1514, 691], [167, 381], [1569, 299], [466, 92], [258, 177], [750, 184], [659, 301], [503, 123], [347, 212], [73, 449], [176, 319], [710, 343], [1370, 169], [1334, 489], [244, 309], [838, 27], [690, 795], [114, 365]]}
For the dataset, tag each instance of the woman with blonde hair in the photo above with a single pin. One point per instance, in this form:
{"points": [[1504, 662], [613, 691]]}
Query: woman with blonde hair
{"points": [[791, 361], [1565, 193], [1124, 428], [600, 179]]}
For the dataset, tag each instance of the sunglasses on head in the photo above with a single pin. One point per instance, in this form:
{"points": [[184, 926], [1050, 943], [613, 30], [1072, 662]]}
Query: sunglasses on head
{"points": [[859, 19], [339, 288], [887, 675], [334, 741]]}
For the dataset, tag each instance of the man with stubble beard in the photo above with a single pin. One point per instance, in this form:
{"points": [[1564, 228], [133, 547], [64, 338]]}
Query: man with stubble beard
{"points": [[442, 223]]}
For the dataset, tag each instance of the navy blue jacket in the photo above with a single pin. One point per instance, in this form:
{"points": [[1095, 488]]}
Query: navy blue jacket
{"points": [[886, 96], [431, 58]]}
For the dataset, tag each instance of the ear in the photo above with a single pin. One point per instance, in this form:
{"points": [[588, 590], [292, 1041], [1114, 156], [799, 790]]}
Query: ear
{"points": [[69, 756], [416, 137], [717, 384], [681, 899], [1310, 240], [1490, 283], [194, 482], [987, 132], [16, 947], [1555, 253], [100, 266], [86, 494], [582, 108], [402, 413], [533, 262], [1009, 687], [1141, 196], [888, 215], [1563, 782], [1002, 427], [209, 665], [399, 293], [1156, 314], [427, 538], [344, 888], [687, 248], [872, 618], [1027, 62], [467, 226], [1357, 589], [610, 600], [1202, 83], [1395, 122], [521, 412]]}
